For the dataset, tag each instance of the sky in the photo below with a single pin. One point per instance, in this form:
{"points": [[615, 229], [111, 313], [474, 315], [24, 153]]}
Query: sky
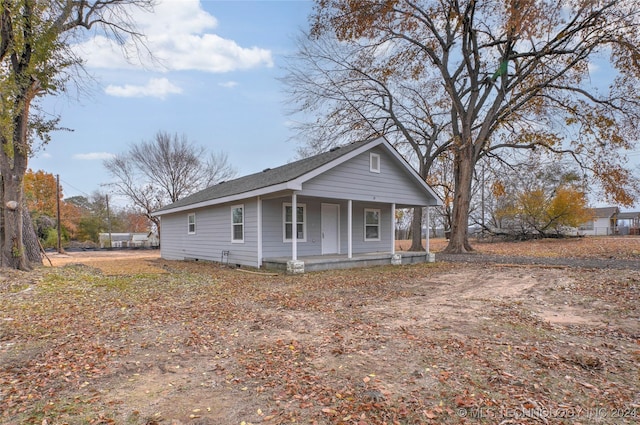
{"points": [[214, 80]]}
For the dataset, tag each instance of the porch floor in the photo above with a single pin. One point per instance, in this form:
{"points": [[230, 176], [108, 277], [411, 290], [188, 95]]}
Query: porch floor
{"points": [[341, 261]]}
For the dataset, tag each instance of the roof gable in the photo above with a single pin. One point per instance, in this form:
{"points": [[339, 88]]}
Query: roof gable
{"points": [[605, 212], [286, 177]]}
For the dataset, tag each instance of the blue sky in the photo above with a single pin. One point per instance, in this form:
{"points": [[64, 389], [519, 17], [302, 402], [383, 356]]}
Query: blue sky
{"points": [[216, 83]]}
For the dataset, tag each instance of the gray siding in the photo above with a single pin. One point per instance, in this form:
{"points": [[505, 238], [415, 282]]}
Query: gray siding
{"points": [[213, 235], [360, 246], [353, 180], [273, 233]]}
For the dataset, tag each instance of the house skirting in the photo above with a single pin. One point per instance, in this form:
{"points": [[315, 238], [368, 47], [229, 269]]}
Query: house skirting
{"points": [[329, 262]]}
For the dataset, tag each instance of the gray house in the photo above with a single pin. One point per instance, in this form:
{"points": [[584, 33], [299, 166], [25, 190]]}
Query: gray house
{"points": [[332, 210]]}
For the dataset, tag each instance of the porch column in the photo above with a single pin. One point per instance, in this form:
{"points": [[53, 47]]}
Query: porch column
{"points": [[259, 236], [349, 228], [294, 226], [393, 229], [427, 236]]}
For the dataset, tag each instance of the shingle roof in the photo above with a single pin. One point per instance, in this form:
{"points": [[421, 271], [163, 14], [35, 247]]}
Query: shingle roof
{"points": [[628, 215], [266, 178], [605, 211]]}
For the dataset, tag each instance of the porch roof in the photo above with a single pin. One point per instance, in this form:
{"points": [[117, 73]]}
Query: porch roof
{"points": [[629, 216]]}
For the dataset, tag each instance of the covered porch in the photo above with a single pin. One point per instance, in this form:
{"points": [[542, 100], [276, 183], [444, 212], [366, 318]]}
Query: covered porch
{"points": [[330, 233], [344, 261]]}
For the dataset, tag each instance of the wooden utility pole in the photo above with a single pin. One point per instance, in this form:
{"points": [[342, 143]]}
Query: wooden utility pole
{"points": [[58, 208], [109, 222]]}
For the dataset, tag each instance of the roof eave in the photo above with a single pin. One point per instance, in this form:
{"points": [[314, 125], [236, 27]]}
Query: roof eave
{"points": [[291, 185]]}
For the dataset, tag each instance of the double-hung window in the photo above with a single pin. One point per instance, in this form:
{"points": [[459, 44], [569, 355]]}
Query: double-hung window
{"points": [[191, 224], [371, 224], [237, 224], [301, 222]]}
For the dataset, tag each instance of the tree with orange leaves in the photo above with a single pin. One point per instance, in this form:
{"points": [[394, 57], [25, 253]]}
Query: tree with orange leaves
{"points": [[537, 199], [513, 75], [40, 192]]}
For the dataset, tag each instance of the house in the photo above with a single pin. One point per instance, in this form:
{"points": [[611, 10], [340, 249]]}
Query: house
{"points": [[629, 223], [128, 240], [604, 222], [332, 210]]}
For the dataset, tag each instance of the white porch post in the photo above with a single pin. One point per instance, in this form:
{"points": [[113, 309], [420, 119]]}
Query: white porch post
{"points": [[350, 229], [427, 236], [259, 207], [393, 229], [294, 226]]}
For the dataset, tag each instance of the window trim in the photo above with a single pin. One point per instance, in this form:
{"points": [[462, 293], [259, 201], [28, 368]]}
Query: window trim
{"points": [[233, 224], [379, 225], [189, 224], [284, 222], [374, 159]]}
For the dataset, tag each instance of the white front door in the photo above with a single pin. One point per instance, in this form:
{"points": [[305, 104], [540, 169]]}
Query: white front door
{"points": [[330, 227]]}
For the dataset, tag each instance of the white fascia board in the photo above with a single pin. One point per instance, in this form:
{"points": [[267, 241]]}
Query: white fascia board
{"points": [[232, 198]]}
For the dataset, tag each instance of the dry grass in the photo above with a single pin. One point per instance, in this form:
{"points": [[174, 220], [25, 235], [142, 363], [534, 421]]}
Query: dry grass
{"points": [[197, 343], [626, 247]]}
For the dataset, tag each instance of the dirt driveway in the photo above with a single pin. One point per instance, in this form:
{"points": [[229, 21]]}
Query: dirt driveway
{"points": [[201, 344], [110, 262]]}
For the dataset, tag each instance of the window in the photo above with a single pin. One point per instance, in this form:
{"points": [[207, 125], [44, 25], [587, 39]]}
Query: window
{"points": [[237, 223], [374, 162], [191, 224], [586, 226], [371, 225], [301, 222]]}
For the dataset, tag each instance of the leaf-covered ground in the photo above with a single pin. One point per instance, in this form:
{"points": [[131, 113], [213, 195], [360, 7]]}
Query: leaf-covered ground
{"points": [[195, 343]]}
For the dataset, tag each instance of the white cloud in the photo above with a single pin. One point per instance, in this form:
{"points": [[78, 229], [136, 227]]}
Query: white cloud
{"points": [[179, 36], [156, 87], [228, 84], [92, 156]]}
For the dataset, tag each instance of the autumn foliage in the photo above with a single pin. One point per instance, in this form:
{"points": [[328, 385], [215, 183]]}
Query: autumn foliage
{"points": [[81, 218]]}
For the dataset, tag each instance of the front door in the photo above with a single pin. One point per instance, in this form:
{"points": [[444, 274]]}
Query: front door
{"points": [[330, 228]]}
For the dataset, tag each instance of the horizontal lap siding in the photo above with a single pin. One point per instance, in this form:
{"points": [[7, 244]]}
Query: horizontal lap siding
{"points": [[360, 246], [273, 223], [353, 180], [213, 235]]}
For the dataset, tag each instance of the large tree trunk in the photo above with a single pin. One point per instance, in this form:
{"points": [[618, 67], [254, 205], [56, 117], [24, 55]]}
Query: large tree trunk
{"points": [[416, 230], [13, 253], [13, 165], [463, 174], [30, 239]]}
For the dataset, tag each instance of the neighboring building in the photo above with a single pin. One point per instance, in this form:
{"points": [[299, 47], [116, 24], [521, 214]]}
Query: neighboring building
{"points": [[128, 240], [332, 210], [629, 223], [603, 224]]}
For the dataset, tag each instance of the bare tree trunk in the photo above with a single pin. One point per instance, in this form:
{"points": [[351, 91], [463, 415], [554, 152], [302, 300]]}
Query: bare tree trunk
{"points": [[463, 172], [416, 230], [13, 254], [30, 239], [12, 170]]}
